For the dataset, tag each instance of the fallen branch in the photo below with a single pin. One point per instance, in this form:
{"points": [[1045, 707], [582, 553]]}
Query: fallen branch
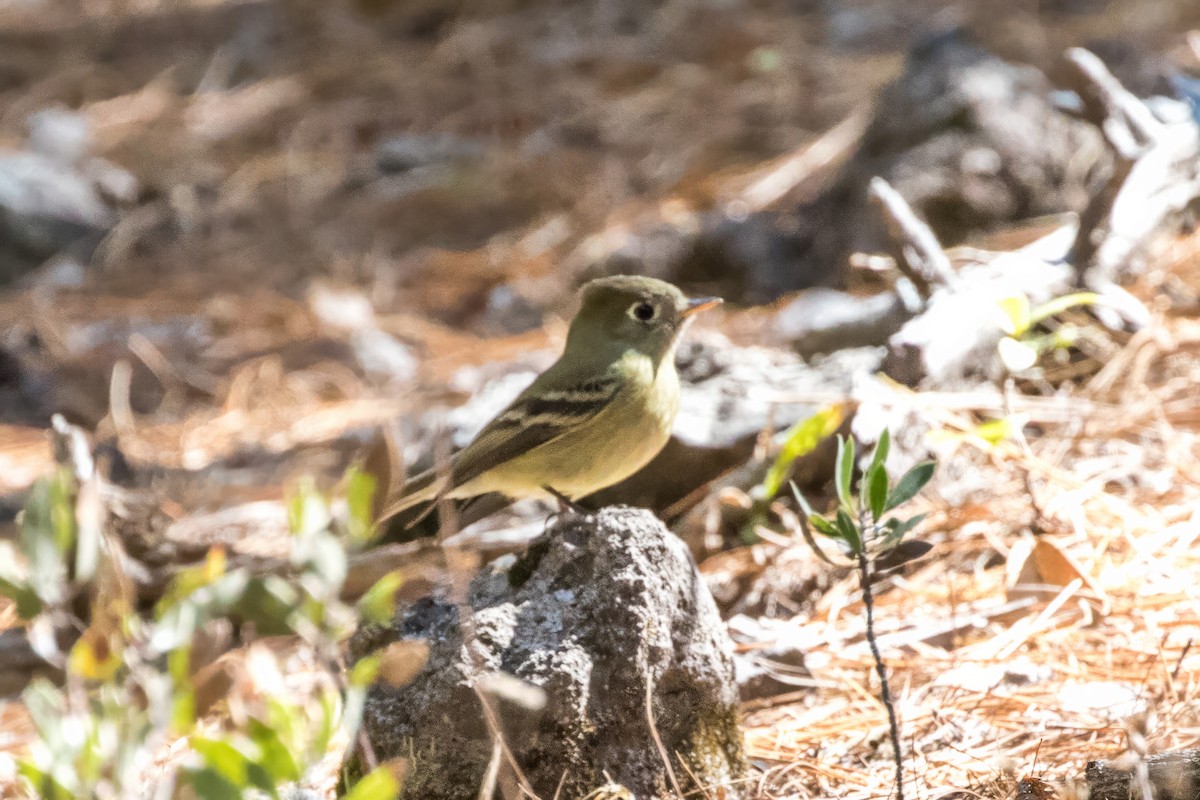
{"points": [[1156, 174], [915, 247], [1155, 178]]}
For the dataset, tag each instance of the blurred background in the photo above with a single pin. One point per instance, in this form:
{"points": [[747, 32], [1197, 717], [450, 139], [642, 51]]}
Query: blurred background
{"points": [[197, 174], [235, 237]]}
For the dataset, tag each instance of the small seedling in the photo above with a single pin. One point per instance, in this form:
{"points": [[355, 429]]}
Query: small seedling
{"points": [[872, 536], [1021, 347]]}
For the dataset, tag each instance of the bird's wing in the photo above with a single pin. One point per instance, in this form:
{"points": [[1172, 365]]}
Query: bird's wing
{"points": [[540, 415]]}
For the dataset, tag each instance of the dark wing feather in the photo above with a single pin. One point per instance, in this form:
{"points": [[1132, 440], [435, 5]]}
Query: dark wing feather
{"points": [[538, 416]]}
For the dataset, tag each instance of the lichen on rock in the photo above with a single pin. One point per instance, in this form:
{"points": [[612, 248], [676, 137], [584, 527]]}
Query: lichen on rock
{"points": [[602, 613]]}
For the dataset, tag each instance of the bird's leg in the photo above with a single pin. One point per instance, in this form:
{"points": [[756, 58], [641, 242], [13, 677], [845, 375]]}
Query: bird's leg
{"points": [[565, 504]]}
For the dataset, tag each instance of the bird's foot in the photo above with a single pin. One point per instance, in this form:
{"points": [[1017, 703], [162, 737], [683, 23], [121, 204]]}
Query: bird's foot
{"points": [[565, 504]]}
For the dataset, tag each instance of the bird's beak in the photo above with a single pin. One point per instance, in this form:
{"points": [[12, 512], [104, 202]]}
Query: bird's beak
{"points": [[699, 304]]}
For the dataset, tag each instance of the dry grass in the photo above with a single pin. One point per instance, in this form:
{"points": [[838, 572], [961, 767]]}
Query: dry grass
{"points": [[1111, 639]]}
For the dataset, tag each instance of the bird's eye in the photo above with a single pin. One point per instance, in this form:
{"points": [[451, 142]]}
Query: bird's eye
{"points": [[643, 311]]}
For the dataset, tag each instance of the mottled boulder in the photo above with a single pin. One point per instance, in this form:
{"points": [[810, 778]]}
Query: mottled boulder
{"points": [[601, 612]]}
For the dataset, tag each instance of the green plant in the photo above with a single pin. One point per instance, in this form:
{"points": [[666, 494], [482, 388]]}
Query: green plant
{"points": [[1020, 348], [797, 441], [128, 686], [873, 538]]}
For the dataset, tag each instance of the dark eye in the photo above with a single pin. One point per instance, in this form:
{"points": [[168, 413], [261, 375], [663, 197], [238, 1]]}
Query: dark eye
{"points": [[643, 312]]}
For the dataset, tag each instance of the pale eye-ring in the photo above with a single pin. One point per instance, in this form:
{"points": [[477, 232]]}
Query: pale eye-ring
{"points": [[643, 311]]}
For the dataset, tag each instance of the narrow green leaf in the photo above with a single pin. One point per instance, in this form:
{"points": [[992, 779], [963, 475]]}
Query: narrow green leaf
{"points": [[845, 470], [360, 493], [824, 526], [1016, 313], [877, 490], [897, 528], [913, 481], [802, 501], [816, 520], [882, 448], [273, 754], [212, 785], [45, 537], [330, 702], [379, 784], [27, 601], [807, 522], [994, 431], [43, 783], [800, 440], [378, 604], [848, 531], [363, 673], [1061, 304], [225, 759]]}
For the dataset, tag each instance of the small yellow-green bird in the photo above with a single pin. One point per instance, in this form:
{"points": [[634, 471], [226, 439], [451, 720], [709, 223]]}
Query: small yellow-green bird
{"points": [[593, 418]]}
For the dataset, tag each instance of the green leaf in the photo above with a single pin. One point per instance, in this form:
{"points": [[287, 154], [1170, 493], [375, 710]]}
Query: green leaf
{"points": [[882, 448], [1061, 304], [210, 784], [363, 673], [877, 490], [845, 470], [273, 754], [824, 526], [1016, 313], [308, 510], [45, 537], [13, 584], [330, 702], [379, 784], [848, 532], [897, 528], [62, 509], [233, 765], [378, 604], [360, 494], [995, 431], [43, 783], [913, 481], [800, 440], [225, 759], [816, 520]]}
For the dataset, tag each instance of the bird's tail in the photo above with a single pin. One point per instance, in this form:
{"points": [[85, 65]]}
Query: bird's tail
{"points": [[420, 489]]}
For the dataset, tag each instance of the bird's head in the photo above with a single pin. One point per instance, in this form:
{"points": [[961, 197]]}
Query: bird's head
{"points": [[628, 311]]}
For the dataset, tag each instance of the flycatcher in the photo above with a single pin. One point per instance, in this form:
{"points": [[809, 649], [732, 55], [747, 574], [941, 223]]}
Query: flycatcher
{"points": [[593, 418]]}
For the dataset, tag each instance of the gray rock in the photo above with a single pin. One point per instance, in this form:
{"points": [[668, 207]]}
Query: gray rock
{"points": [[46, 205], [825, 320], [601, 612], [54, 198]]}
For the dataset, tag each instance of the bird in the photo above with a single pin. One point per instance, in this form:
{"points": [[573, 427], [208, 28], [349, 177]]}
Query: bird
{"points": [[594, 417]]}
